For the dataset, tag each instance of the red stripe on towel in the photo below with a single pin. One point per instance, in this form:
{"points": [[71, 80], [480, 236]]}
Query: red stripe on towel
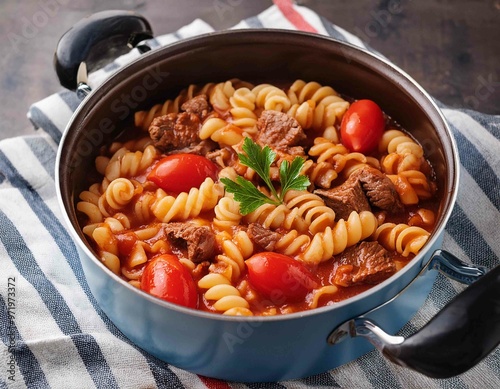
{"points": [[212, 383], [286, 8]]}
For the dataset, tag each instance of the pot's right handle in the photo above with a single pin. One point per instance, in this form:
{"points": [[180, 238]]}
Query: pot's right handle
{"points": [[97, 39], [464, 332]]}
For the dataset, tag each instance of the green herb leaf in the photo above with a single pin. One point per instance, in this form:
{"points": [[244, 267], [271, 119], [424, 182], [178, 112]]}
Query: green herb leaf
{"points": [[259, 160], [249, 197], [291, 178]]}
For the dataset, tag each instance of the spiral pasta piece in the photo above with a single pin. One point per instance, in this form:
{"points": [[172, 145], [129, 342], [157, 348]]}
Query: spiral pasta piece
{"points": [[119, 193], [228, 299], [242, 111], [320, 174], [143, 207], [322, 105], [339, 156], [403, 152], [187, 205], [292, 243], [268, 96], [301, 91], [143, 119], [401, 237], [335, 240], [221, 131], [227, 213], [220, 94], [126, 164], [89, 204], [311, 209], [268, 215]]}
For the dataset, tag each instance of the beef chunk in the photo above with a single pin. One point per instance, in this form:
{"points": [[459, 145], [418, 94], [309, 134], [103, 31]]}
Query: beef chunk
{"points": [[279, 130], [198, 106], [365, 187], [345, 198], [364, 263], [379, 189], [175, 131], [199, 241], [203, 148], [263, 237]]}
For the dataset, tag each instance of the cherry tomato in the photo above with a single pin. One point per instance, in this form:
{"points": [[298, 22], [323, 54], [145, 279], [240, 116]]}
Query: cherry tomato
{"points": [[165, 277], [180, 172], [279, 277], [362, 126]]}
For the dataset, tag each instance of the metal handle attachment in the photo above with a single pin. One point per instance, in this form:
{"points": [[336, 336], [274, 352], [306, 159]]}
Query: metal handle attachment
{"points": [[456, 339]]}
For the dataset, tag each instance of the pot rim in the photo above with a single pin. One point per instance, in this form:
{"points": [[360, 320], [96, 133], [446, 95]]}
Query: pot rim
{"points": [[200, 39]]}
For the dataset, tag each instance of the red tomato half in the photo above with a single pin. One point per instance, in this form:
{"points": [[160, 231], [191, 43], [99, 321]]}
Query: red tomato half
{"points": [[165, 277], [180, 172], [362, 126], [278, 277]]}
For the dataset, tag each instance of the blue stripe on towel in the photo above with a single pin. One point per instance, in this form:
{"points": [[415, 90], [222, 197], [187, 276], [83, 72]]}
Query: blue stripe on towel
{"points": [[27, 363], [254, 22], [471, 239], [44, 152], [323, 379], [490, 122], [26, 264], [265, 385], [160, 370], [478, 167], [377, 370], [493, 362], [332, 31], [42, 121], [70, 98], [452, 383]]}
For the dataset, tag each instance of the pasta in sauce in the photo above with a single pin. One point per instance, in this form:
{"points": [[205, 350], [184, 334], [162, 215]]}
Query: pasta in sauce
{"points": [[362, 217]]}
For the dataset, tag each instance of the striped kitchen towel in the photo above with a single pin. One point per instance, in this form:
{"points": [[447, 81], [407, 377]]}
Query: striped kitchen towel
{"points": [[53, 334]]}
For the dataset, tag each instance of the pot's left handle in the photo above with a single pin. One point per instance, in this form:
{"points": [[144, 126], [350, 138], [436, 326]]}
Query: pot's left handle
{"points": [[95, 40]]}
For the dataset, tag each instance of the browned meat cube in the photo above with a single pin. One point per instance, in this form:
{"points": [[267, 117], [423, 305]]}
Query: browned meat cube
{"points": [[279, 130], [364, 263], [379, 189], [345, 198], [199, 241], [263, 237], [175, 131], [197, 105]]}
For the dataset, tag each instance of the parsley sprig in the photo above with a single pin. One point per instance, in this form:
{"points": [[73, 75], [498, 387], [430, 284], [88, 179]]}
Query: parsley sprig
{"points": [[260, 160]]}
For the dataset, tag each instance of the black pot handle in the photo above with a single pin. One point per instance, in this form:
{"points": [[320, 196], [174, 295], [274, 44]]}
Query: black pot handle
{"points": [[96, 40], [465, 331], [459, 336]]}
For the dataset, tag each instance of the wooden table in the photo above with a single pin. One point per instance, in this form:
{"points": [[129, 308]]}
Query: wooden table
{"points": [[450, 47]]}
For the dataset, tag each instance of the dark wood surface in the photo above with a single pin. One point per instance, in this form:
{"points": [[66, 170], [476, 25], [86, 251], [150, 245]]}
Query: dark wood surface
{"points": [[451, 48]]}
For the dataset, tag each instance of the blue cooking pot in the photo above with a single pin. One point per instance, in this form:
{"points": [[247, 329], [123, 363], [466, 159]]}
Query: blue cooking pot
{"points": [[299, 344]]}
